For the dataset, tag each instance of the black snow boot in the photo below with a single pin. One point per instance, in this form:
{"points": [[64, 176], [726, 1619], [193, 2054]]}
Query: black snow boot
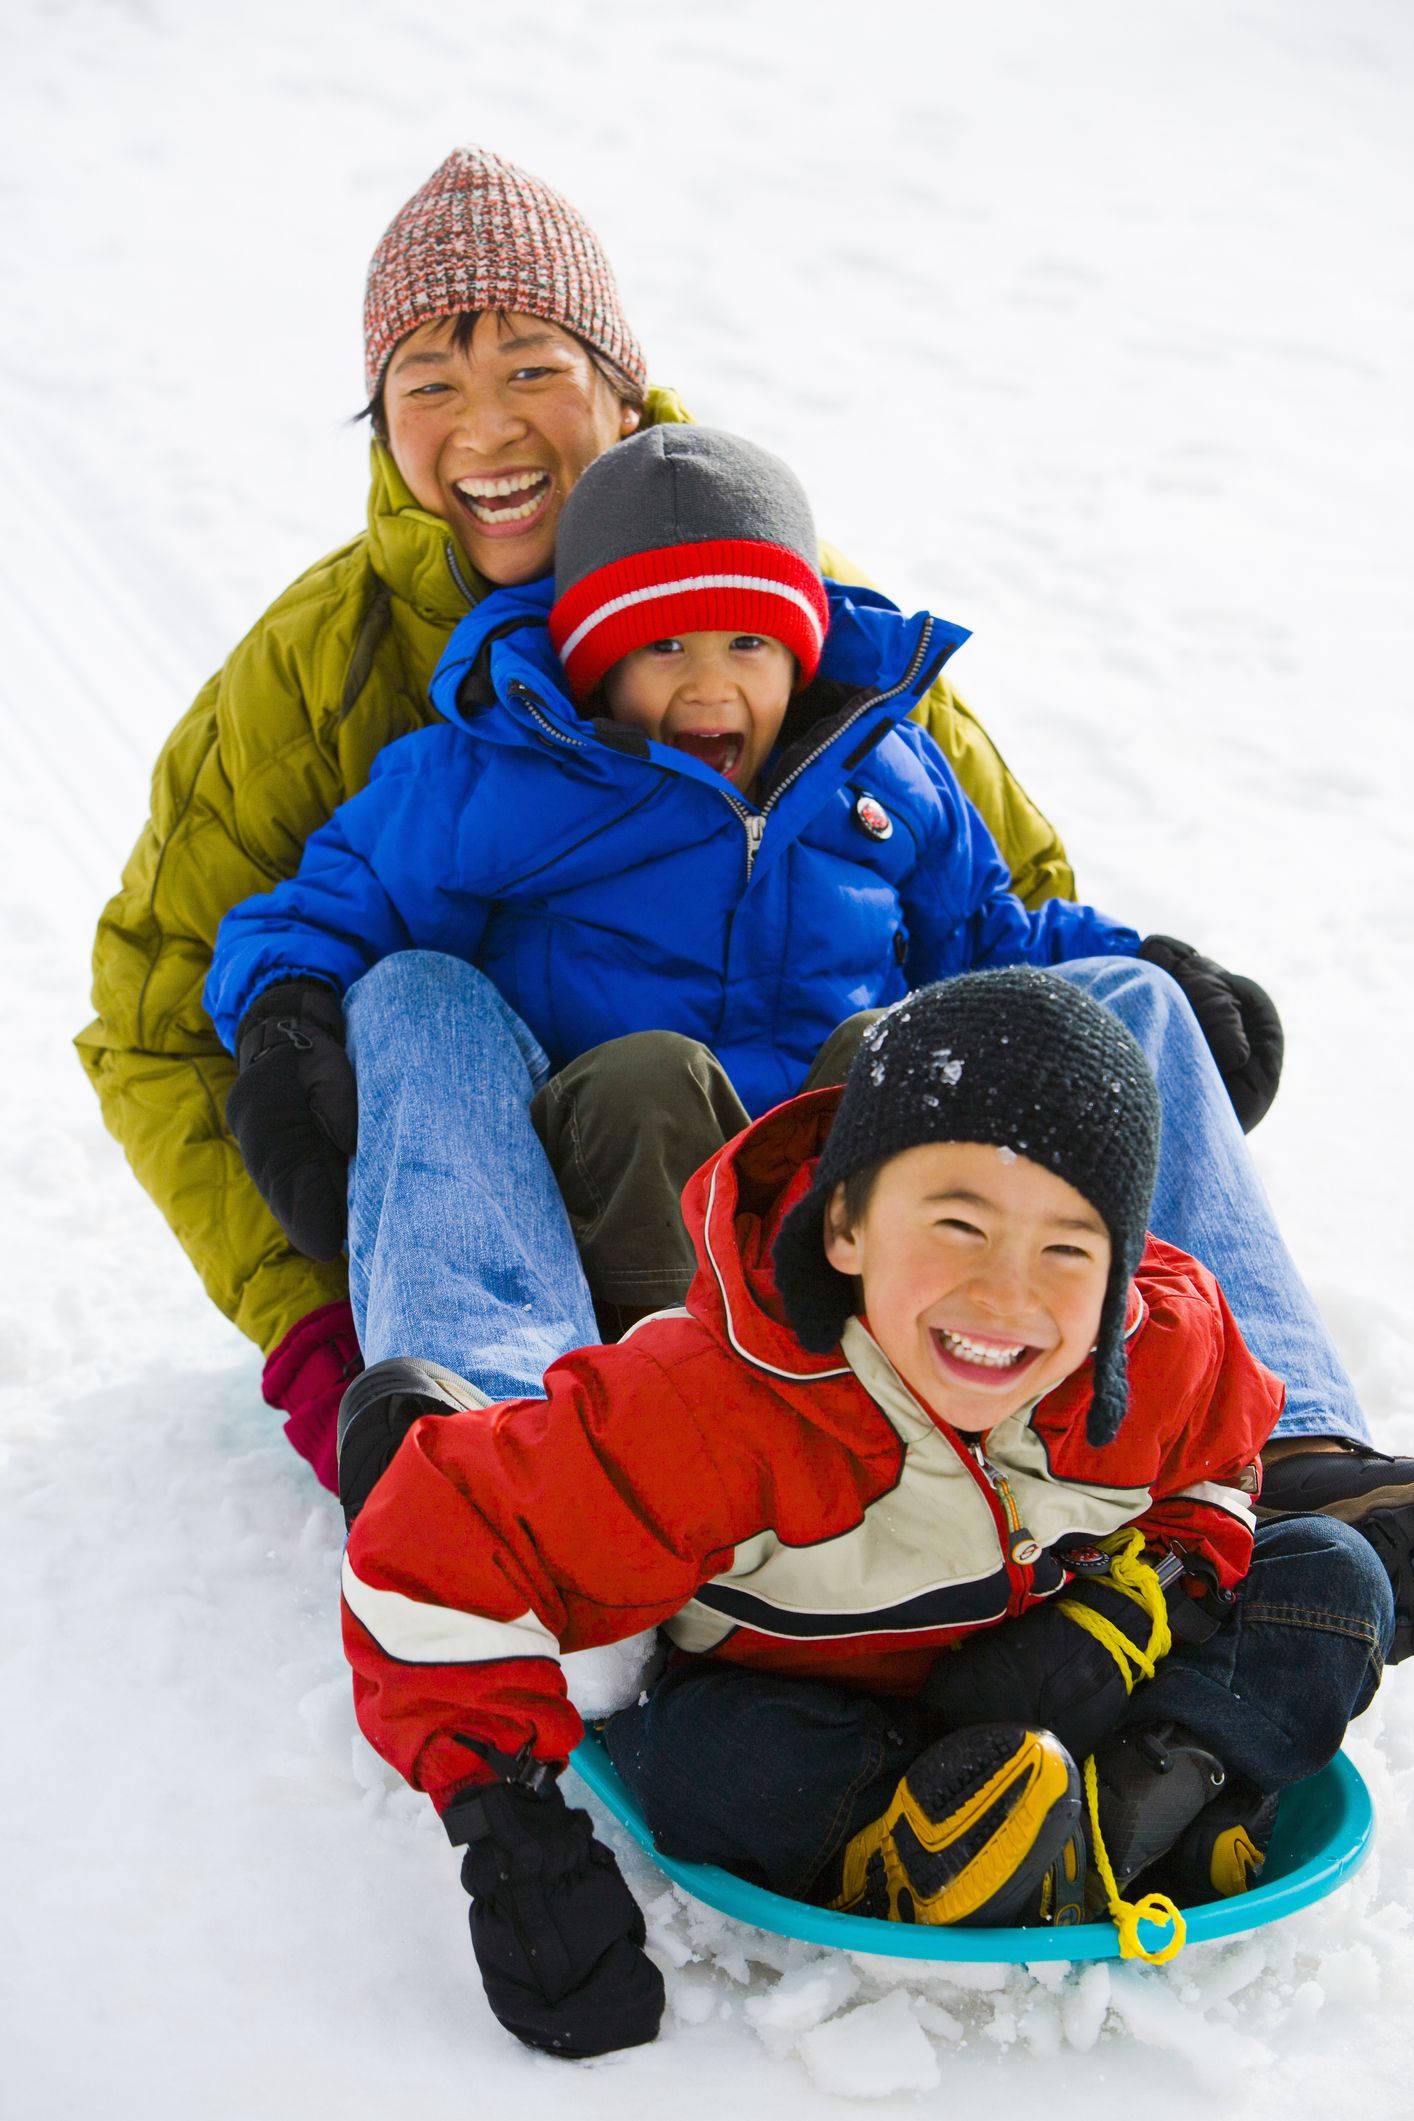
{"points": [[377, 1411], [1154, 1780], [1364, 1488], [1221, 1853]]}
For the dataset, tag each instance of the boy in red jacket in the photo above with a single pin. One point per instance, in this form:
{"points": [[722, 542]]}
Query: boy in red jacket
{"points": [[940, 1482]]}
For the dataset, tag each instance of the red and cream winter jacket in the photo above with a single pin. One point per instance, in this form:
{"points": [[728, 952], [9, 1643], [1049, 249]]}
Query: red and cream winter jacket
{"points": [[800, 1513]]}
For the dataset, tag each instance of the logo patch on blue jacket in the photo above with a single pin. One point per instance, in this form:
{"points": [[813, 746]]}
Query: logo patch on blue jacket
{"points": [[874, 817]]}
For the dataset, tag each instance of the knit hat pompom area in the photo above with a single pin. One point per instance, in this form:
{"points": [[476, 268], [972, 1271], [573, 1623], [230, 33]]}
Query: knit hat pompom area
{"points": [[482, 234], [683, 529], [1019, 1059]]}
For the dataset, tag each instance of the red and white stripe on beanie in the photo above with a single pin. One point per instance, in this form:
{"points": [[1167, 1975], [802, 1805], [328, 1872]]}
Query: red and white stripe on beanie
{"points": [[679, 530], [726, 585]]}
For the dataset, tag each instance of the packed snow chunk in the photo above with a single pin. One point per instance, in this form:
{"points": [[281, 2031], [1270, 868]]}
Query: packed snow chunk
{"points": [[370, 1770], [1002, 2026], [1351, 1976], [1308, 2000], [669, 1945], [600, 1681], [1226, 1974], [980, 1975], [1040, 2025], [872, 2052], [935, 2020], [692, 1996], [1049, 1974], [801, 2000], [1151, 2012], [327, 1714], [1083, 2008]]}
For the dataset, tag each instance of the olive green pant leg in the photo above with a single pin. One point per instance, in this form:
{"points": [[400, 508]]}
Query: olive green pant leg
{"points": [[832, 1063], [624, 1127]]}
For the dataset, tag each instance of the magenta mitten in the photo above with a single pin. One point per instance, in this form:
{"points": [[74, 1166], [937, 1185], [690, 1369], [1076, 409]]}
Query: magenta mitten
{"points": [[307, 1376]]}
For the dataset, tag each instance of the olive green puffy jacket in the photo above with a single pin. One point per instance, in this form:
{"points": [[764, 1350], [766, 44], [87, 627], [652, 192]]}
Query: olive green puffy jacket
{"points": [[284, 733]]}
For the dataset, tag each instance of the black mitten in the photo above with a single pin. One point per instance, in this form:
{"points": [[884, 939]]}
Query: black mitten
{"points": [[1046, 1670], [1237, 1018], [294, 1111], [557, 1934], [1041, 1670]]}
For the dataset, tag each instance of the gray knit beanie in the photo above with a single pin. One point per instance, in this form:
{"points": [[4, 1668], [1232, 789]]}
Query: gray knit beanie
{"points": [[681, 529], [1024, 1060]]}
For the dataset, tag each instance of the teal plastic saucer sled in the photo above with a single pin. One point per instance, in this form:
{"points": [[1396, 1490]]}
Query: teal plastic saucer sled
{"points": [[1323, 1833]]}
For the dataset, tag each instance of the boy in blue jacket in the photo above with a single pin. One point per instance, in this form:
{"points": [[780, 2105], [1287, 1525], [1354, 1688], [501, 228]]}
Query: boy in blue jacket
{"points": [[674, 792]]}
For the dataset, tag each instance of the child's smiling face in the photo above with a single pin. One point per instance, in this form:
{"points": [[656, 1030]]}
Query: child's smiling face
{"points": [[492, 438], [720, 697], [982, 1274]]}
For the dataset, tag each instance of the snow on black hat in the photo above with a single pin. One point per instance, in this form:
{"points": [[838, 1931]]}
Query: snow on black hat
{"points": [[1019, 1058], [682, 529]]}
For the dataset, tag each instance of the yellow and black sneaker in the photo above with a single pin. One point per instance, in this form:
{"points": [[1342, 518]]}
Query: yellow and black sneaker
{"points": [[1064, 1897], [970, 1834]]}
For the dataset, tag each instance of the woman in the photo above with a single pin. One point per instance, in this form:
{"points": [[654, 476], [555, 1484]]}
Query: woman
{"points": [[499, 364]]}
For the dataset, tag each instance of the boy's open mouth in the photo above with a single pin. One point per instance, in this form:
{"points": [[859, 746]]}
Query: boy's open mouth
{"points": [[505, 503], [963, 1356], [715, 749]]}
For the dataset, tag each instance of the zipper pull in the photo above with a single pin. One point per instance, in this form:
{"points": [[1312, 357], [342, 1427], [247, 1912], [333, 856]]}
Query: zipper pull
{"points": [[755, 831], [1023, 1547]]}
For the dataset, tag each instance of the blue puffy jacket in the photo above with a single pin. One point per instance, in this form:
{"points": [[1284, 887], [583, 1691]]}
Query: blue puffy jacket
{"points": [[608, 884]]}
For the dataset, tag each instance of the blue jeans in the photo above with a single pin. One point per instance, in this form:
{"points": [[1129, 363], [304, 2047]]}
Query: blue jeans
{"points": [[1209, 1200], [460, 1250], [459, 1245], [770, 1777]]}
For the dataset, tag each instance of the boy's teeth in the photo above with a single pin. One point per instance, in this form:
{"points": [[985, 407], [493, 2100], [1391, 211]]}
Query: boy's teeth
{"points": [[993, 1358], [718, 752]]}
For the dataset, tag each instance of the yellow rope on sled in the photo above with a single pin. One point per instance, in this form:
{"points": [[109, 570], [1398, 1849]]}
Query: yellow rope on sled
{"points": [[1137, 1580], [1127, 1915]]}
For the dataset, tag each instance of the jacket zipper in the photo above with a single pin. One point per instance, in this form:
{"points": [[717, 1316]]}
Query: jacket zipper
{"points": [[458, 577], [1019, 1549], [753, 821], [536, 709]]}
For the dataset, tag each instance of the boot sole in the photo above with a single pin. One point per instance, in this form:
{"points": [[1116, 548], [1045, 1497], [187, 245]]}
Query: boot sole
{"points": [[980, 1860], [1348, 1509]]}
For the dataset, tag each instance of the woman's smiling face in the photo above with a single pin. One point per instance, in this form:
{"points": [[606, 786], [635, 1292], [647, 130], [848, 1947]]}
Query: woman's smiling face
{"points": [[492, 437], [982, 1276]]}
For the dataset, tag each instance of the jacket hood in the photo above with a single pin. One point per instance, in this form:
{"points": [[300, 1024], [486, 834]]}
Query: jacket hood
{"points": [[733, 1208], [500, 652]]}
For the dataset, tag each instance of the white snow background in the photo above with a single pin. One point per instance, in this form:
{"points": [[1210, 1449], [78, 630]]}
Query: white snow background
{"points": [[1090, 325]]}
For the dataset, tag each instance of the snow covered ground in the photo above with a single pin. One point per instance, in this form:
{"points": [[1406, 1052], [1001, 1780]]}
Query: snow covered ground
{"points": [[1092, 326]]}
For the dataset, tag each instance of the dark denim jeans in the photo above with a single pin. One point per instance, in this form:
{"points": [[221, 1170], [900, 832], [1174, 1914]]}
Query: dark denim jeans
{"points": [[770, 1776]]}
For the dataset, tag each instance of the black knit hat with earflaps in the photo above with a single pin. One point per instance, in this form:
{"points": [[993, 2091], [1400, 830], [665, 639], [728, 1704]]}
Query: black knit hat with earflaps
{"points": [[1018, 1058]]}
